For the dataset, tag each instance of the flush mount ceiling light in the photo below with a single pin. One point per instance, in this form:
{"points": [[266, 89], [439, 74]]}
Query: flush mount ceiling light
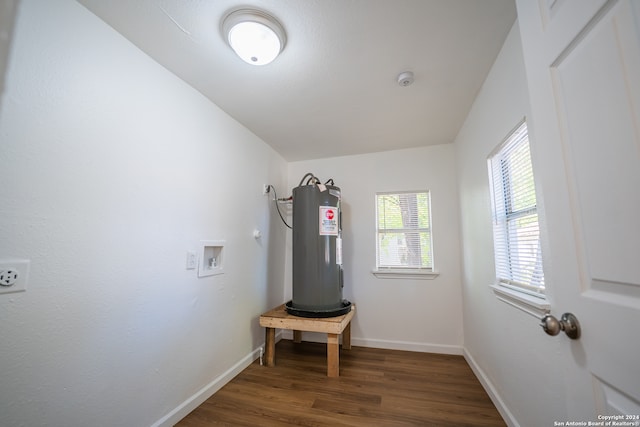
{"points": [[257, 37]]}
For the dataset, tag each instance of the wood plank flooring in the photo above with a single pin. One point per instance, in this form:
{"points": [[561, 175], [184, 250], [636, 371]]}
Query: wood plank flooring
{"points": [[376, 388]]}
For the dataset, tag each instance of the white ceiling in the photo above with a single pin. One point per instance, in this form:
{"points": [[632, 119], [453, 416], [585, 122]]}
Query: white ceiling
{"points": [[333, 90]]}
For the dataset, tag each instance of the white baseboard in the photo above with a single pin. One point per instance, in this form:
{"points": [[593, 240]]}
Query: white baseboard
{"points": [[386, 344], [207, 391], [491, 391], [408, 346]]}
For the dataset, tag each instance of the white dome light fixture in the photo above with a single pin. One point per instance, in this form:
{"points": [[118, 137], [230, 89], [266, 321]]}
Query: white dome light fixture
{"points": [[255, 36]]}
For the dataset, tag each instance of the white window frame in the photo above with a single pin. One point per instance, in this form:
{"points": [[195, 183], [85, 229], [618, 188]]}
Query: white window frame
{"points": [[528, 296], [401, 272]]}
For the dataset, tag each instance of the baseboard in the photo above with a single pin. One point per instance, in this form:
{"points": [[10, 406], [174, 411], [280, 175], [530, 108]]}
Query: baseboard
{"points": [[390, 345], [408, 346], [491, 391], [207, 391]]}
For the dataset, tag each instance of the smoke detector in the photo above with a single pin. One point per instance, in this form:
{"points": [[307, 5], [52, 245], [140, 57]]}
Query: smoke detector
{"points": [[405, 78]]}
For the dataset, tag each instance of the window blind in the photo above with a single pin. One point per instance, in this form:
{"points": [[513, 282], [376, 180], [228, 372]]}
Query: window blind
{"points": [[516, 231], [404, 231]]}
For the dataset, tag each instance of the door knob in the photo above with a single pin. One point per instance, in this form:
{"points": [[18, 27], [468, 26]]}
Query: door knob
{"points": [[567, 323]]}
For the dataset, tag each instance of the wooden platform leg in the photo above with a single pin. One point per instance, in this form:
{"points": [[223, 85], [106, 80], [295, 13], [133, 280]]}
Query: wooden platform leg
{"points": [[346, 337], [297, 337], [333, 356], [270, 344]]}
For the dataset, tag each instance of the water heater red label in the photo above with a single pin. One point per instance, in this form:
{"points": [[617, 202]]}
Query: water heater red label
{"points": [[328, 221]]}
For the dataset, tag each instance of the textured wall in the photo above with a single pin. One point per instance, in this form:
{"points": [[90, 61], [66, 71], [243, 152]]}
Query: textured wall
{"points": [[111, 168], [503, 341], [8, 10]]}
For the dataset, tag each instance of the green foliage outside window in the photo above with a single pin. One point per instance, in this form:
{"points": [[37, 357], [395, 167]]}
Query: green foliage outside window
{"points": [[404, 231]]}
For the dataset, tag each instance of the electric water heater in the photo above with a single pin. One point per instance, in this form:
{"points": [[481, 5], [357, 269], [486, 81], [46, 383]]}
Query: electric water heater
{"points": [[317, 251]]}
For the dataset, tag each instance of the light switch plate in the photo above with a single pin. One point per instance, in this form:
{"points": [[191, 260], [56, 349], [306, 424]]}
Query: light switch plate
{"points": [[192, 260]]}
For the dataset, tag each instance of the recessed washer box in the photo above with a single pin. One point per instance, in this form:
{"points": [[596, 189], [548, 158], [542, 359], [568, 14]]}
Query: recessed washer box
{"points": [[212, 259]]}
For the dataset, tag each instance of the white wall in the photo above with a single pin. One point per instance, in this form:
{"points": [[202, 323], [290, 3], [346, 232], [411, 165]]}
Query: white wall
{"points": [[506, 346], [7, 18], [111, 168], [419, 315]]}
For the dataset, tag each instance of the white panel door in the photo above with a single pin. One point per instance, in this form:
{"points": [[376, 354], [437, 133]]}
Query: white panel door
{"points": [[583, 68]]}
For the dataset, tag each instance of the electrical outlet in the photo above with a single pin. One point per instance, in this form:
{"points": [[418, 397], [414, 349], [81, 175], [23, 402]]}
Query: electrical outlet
{"points": [[14, 275], [9, 277], [265, 189]]}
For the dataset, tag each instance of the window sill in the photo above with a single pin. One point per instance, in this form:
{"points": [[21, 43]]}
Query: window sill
{"points": [[405, 274], [534, 306]]}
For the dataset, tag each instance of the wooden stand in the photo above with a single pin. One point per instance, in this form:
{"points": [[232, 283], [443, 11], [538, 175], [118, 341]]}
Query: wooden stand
{"points": [[332, 326]]}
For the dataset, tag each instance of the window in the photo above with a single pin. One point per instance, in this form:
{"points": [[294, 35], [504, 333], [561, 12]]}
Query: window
{"points": [[403, 223], [516, 232]]}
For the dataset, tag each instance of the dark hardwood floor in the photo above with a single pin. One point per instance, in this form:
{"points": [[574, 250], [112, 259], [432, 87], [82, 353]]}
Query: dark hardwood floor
{"points": [[376, 388]]}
